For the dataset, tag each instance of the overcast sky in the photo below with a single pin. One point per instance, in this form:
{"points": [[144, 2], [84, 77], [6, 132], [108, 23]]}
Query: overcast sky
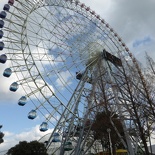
{"points": [[133, 20]]}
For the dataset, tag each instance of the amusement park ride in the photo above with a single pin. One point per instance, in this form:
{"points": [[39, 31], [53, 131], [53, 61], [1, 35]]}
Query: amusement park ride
{"points": [[73, 66]]}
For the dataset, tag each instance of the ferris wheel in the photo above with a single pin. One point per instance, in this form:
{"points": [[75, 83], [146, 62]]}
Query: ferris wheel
{"points": [[65, 56]]}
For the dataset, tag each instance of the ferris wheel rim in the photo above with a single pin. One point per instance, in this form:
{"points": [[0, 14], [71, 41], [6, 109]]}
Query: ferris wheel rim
{"points": [[85, 10]]}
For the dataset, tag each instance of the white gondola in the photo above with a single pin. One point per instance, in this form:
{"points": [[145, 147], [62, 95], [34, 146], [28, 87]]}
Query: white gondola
{"points": [[44, 127], [7, 72], [32, 114], [14, 86], [22, 101], [3, 58]]}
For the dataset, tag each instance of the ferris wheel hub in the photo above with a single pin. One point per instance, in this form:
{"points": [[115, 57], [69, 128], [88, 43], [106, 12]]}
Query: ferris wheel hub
{"points": [[95, 51]]}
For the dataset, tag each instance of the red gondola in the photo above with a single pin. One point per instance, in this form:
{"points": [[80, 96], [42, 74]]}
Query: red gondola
{"points": [[11, 2]]}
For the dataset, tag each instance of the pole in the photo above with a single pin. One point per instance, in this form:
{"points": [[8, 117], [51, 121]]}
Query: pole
{"points": [[109, 130]]}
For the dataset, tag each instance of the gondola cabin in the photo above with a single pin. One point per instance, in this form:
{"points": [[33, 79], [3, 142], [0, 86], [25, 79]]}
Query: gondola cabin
{"points": [[11, 2], [1, 23], [14, 86], [78, 75], [32, 114], [55, 140], [1, 45], [6, 7], [77, 130], [22, 101], [44, 127], [1, 34], [3, 58], [7, 72], [56, 137], [68, 146], [3, 14]]}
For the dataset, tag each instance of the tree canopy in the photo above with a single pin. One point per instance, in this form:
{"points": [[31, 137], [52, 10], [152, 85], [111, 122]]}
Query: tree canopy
{"points": [[101, 126], [28, 148]]}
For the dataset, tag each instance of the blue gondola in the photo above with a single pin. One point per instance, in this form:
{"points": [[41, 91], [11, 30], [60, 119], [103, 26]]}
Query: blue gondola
{"points": [[1, 23], [3, 58], [32, 114], [1, 34], [7, 72], [3, 14], [44, 127], [14, 86], [56, 134], [1, 45], [11, 2], [6, 7], [22, 101], [68, 146], [56, 137], [55, 140]]}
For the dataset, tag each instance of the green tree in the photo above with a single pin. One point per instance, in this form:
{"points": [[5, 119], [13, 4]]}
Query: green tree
{"points": [[100, 129], [1, 135], [28, 148]]}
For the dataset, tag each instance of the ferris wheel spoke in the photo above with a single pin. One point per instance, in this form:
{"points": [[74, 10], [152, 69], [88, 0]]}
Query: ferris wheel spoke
{"points": [[26, 5], [21, 12]]}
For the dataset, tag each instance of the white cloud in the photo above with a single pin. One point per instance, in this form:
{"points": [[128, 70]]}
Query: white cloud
{"points": [[132, 20], [11, 139], [63, 79], [14, 96]]}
